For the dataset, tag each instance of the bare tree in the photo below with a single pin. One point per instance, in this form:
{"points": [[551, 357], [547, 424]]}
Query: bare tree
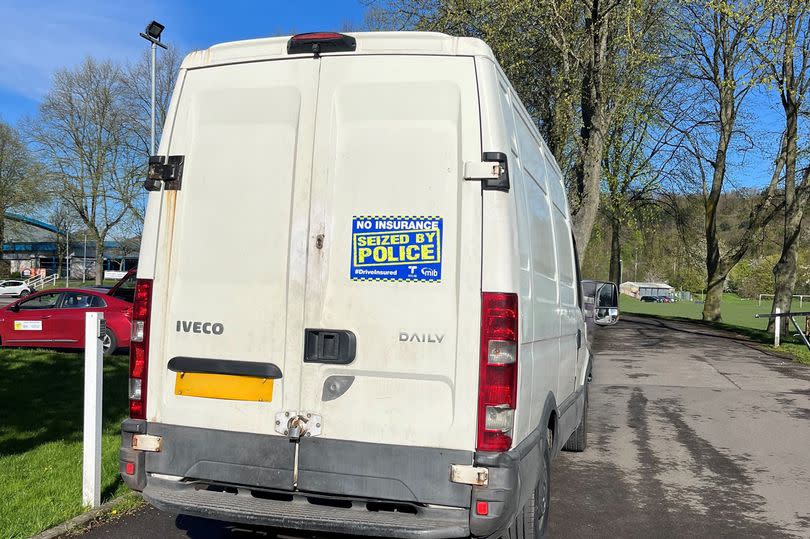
{"points": [[641, 147], [137, 96], [785, 53], [715, 41], [83, 135]]}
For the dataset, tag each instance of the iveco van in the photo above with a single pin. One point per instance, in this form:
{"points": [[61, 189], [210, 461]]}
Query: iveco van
{"points": [[357, 307]]}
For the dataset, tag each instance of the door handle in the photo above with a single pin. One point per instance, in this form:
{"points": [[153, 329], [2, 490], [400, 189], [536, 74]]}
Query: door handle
{"points": [[336, 346]]}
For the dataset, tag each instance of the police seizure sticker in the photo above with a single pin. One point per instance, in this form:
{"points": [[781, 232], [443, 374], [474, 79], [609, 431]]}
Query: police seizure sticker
{"points": [[396, 248]]}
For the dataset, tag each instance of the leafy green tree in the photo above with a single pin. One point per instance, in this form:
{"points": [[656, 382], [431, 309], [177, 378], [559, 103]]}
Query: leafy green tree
{"points": [[21, 178], [569, 60]]}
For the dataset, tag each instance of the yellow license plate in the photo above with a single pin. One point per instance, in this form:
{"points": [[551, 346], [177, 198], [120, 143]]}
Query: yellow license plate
{"points": [[223, 386]]}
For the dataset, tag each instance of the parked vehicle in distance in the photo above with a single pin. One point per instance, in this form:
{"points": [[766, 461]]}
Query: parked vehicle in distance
{"points": [[664, 299], [55, 318], [15, 288], [404, 351], [650, 299]]}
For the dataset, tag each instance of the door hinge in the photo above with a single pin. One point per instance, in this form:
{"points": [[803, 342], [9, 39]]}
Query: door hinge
{"points": [[147, 442], [469, 475], [167, 170], [492, 171]]}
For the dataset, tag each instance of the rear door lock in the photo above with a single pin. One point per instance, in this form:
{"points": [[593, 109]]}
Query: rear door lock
{"points": [[297, 425]]}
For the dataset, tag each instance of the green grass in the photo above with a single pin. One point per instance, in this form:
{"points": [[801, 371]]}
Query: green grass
{"points": [[738, 316], [41, 409]]}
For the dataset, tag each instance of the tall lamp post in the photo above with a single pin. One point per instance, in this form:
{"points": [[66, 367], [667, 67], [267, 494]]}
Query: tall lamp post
{"points": [[152, 35]]}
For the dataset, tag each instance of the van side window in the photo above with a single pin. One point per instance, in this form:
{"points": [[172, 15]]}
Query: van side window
{"points": [[579, 288], [565, 259]]}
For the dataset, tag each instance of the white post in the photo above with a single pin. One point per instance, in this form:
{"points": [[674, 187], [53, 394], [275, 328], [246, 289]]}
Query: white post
{"points": [[777, 327], [93, 378]]}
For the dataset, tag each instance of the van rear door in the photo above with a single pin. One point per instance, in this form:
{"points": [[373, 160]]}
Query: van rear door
{"points": [[231, 262], [395, 251], [394, 262]]}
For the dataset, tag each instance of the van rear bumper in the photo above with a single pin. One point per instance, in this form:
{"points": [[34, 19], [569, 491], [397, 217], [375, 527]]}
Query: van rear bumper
{"points": [[299, 512], [343, 486]]}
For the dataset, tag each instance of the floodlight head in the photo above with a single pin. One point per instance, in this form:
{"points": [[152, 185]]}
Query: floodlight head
{"points": [[154, 29]]}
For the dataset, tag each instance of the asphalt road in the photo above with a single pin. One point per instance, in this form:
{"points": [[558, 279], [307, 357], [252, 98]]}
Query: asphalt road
{"points": [[692, 433]]}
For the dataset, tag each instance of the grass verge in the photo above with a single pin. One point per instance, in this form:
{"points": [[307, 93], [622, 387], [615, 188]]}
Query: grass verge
{"points": [[41, 394], [738, 317]]}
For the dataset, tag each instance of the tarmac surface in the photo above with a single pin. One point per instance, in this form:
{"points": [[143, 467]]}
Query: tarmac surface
{"points": [[692, 433]]}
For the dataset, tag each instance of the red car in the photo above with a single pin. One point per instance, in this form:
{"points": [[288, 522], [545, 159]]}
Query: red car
{"points": [[55, 318]]}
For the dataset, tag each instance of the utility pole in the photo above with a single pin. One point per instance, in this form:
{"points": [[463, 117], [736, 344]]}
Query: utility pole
{"points": [[84, 262], [67, 257]]}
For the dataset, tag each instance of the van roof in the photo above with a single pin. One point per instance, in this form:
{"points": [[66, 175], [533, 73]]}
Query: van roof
{"points": [[274, 48]]}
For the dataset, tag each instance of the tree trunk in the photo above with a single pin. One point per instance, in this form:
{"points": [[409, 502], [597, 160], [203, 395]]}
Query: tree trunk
{"points": [[714, 293], [784, 272], [99, 261], [615, 252], [589, 175], [594, 126]]}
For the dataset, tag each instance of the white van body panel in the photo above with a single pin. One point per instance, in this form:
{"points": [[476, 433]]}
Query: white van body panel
{"points": [[426, 111], [252, 144], [249, 130], [287, 158]]}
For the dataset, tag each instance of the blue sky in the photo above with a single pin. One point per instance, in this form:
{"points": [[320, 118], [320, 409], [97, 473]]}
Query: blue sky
{"points": [[41, 36]]}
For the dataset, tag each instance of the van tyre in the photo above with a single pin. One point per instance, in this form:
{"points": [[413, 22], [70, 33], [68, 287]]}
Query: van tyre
{"points": [[109, 342], [532, 522], [579, 439]]}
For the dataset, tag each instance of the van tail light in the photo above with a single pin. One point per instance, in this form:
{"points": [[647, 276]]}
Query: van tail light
{"points": [[139, 348], [497, 379]]}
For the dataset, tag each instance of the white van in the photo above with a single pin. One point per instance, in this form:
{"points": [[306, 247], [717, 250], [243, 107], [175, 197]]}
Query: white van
{"points": [[357, 306]]}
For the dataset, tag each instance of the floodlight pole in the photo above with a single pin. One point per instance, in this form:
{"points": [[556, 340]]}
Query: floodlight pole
{"points": [[155, 44], [152, 134]]}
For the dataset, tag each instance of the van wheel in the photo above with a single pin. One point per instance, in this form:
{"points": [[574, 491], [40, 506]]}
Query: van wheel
{"points": [[579, 439], [535, 514], [108, 342]]}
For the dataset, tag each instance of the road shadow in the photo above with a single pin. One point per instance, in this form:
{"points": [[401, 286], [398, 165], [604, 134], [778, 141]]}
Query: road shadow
{"points": [[204, 528]]}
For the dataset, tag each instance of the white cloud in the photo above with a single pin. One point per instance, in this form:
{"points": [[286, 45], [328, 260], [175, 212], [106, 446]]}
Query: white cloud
{"points": [[42, 36]]}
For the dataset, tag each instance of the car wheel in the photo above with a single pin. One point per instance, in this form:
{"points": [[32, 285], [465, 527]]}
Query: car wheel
{"points": [[108, 342], [579, 439], [24, 293]]}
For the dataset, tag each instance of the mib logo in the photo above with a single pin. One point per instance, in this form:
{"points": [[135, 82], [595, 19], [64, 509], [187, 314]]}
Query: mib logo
{"points": [[404, 336], [208, 328]]}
